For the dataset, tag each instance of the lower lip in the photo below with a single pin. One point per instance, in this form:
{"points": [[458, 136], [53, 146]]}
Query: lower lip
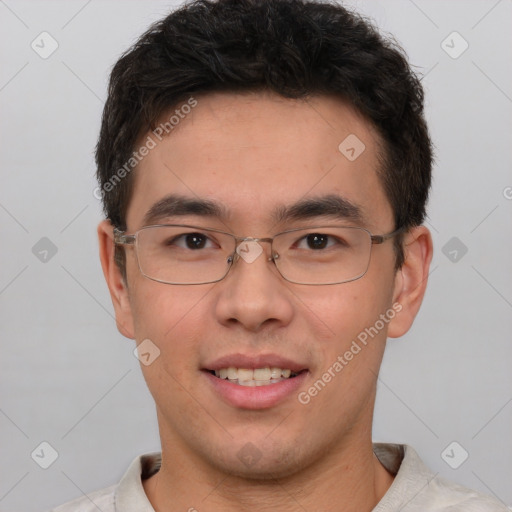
{"points": [[257, 397]]}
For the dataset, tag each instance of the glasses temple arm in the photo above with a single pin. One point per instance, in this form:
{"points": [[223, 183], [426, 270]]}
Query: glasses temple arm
{"points": [[379, 239], [120, 238]]}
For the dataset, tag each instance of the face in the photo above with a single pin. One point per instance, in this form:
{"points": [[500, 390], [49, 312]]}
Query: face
{"points": [[255, 155]]}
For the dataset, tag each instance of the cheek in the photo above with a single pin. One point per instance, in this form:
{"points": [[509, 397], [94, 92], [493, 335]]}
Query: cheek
{"points": [[162, 310], [341, 311], [346, 322], [174, 319]]}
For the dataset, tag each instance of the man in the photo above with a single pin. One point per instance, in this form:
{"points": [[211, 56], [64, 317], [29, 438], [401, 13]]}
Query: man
{"points": [[264, 167]]}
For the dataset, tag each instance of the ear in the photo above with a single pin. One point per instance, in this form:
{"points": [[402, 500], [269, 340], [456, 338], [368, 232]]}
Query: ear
{"points": [[411, 279], [115, 282]]}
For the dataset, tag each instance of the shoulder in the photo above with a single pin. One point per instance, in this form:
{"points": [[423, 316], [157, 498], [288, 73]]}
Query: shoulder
{"points": [[99, 500], [417, 489], [447, 496], [128, 495]]}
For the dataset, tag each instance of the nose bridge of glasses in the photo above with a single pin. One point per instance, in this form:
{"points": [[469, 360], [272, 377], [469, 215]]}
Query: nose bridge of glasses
{"points": [[240, 239], [244, 246]]}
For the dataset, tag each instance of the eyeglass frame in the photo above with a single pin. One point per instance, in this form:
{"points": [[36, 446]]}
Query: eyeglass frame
{"points": [[123, 238]]}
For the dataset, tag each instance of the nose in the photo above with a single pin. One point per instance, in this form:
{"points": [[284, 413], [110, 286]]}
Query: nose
{"points": [[253, 294]]}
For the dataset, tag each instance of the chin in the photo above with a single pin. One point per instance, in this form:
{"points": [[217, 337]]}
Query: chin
{"points": [[260, 464]]}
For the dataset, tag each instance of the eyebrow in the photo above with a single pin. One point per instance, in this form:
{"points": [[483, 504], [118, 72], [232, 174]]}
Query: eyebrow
{"points": [[331, 205], [175, 205]]}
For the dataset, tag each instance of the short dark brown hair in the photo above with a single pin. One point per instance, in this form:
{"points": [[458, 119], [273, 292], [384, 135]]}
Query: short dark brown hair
{"points": [[295, 48]]}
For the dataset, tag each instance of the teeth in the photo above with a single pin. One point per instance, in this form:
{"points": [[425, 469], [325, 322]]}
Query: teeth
{"points": [[256, 377], [244, 374], [260, 374], [254, 383], [275, 373]]}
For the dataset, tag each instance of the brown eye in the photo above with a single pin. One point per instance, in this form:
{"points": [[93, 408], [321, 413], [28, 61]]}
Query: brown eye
{"points": [[192, 241], [195, 240], [317, 241]]}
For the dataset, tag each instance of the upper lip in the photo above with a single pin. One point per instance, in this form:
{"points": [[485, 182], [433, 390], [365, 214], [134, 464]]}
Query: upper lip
{"points": [[255, 361]]}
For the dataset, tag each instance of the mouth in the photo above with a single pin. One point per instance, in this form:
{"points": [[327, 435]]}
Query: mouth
{"points": [[258, 381], [255, 377]]}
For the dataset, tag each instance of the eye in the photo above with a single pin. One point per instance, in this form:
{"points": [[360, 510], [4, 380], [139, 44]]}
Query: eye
{"points": [[193, 241], [316, 241]]}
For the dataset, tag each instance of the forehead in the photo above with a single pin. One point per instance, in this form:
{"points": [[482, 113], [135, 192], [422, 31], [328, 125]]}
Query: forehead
{"points": [[256, 153]]}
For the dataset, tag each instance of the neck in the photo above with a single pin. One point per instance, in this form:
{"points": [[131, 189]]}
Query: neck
{"points": [[348, 479]]}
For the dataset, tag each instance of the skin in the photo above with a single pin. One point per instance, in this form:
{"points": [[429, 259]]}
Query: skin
{"points": [[253, 152]]}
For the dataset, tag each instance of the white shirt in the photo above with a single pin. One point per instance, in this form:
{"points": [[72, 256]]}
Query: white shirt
{"points": [[414, 489]]}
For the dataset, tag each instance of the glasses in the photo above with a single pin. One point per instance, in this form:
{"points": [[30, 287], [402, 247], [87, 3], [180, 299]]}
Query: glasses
{"points": [[187, 255]]}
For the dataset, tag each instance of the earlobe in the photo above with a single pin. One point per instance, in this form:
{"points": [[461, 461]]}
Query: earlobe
{"points": [[116, 285], [411, 279]]}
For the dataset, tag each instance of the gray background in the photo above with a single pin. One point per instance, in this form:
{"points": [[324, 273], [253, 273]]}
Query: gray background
{"points": [[69, 378]]}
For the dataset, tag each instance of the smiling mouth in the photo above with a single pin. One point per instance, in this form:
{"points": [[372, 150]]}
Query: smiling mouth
{"points": [[254, 377]]}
